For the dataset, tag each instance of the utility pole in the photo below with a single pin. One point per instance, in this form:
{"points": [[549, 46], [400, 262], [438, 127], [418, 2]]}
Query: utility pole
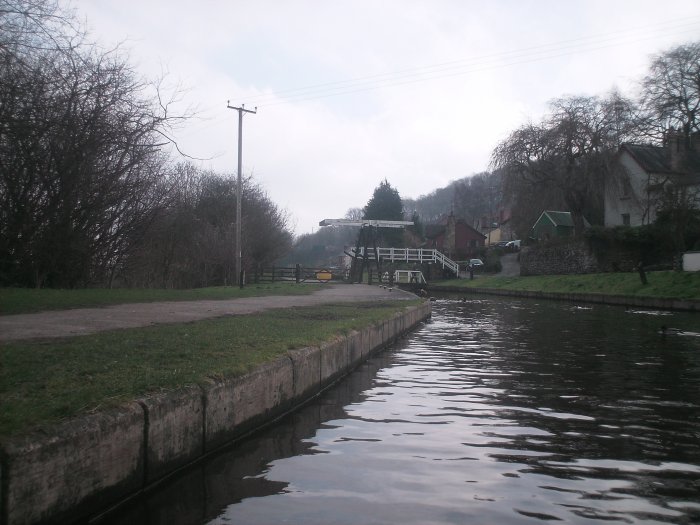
{"points": [[239, 191]]}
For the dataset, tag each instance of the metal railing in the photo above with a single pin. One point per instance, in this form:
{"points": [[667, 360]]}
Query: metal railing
{"points": [[409, 276]]}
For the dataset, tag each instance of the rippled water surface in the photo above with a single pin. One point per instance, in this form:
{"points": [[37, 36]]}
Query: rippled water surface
{"points": [[495, 412]]}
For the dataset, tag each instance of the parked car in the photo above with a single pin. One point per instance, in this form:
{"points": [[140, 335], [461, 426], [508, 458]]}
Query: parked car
{"points": [[476, 263], [500, 244], [513, 245]]}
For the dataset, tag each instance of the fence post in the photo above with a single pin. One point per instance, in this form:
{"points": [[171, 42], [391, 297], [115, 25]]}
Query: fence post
{"points": [[297, 273], [273, 273]]}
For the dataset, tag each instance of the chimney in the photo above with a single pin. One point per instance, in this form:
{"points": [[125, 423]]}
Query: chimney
{"points": [[677, 145]]}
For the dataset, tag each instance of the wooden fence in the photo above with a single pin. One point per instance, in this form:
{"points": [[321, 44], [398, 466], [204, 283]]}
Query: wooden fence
{"points": [[298, 274]]}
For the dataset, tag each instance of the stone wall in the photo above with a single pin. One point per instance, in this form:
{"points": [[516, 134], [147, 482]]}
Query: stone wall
{"points": [[574, 257], [84, 466], [558, 259]]}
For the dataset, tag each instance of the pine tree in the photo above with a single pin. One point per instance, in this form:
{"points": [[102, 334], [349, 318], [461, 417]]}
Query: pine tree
{"points": [[386, 204]]}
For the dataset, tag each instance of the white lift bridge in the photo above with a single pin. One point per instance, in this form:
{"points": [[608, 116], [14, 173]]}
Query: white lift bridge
{"points": [[368, 251], [413, 255]]}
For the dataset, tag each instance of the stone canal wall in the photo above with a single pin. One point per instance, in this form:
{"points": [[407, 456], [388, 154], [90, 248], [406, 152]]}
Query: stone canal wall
{"points": [[83, 466], [658, 303], [578, 257]]}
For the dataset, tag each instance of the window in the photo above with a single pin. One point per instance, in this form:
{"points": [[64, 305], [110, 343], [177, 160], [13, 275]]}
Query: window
{"points": [[625, 219], [626, 188]]}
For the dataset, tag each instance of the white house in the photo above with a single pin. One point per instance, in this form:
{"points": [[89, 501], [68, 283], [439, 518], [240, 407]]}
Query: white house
{"points": [[632, 195]]}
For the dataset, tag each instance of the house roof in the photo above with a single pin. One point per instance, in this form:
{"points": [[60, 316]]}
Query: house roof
{"points": [[558, 218], [475, 230], [656, 159], [435, 230], [652, 159]]}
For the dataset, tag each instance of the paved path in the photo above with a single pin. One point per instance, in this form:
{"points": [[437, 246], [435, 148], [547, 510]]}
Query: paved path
{"points": [[510, 266], [81, 321]]}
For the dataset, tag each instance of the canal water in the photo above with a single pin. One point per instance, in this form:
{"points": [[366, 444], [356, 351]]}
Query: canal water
{"points": [[497, 411]]}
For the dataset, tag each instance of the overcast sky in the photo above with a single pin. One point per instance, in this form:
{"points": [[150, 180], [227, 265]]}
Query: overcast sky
{"points": [[352, 92]]}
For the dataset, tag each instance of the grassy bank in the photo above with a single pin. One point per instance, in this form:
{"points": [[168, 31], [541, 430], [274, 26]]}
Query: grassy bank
{"points": [[42, 382], [680, 285], [27, 300]]}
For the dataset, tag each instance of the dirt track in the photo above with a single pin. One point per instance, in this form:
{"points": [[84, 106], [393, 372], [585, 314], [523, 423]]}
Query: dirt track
{"points": [[81, 321]]}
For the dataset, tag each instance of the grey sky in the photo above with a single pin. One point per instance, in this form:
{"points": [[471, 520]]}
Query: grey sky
{"points": [[415, 91]]}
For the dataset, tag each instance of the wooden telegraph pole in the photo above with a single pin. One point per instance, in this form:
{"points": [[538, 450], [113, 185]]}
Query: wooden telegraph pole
{"points": [[239, 191]]}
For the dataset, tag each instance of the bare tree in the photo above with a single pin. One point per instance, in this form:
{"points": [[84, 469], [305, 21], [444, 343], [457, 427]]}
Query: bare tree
{"points": [[31, 26], [267, 236], [479, 196], [192, 241], [569, 152], [81, 151], [624, 120], [671, 90], [354, 214], [435, 205]]}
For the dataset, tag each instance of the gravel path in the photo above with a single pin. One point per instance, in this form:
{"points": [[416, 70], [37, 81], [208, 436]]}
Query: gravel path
{"points": [[81, 321]]}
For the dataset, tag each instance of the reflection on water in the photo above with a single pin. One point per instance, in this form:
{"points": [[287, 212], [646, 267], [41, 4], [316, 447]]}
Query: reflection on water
{"points": [[498, 411]]}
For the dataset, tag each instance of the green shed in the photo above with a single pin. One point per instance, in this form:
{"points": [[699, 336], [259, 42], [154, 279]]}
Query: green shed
{"points": [[552, 224]]}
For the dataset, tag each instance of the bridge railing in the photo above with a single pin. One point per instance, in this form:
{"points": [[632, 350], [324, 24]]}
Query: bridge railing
{"points": [[449, 263], [420, 255]]}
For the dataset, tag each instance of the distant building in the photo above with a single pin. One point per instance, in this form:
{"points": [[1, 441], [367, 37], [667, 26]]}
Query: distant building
{"points": [[497, 228], [632, 195], [455, 238]]}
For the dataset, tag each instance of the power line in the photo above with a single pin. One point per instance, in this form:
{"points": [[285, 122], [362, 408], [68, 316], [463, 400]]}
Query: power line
{"points": [[487, 67], [464, 66], [474, 64], [418, 76]]}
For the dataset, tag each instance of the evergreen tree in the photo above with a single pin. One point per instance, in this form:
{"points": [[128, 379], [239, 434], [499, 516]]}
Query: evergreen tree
{"points": [[386, 204]]}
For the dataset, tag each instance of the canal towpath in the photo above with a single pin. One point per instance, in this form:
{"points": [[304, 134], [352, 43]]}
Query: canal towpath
{"points": [[83, 321]]}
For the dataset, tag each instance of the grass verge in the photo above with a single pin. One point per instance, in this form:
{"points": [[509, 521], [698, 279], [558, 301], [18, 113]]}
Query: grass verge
{"points": [[28, 300], [679, 285], [42, 382]]}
